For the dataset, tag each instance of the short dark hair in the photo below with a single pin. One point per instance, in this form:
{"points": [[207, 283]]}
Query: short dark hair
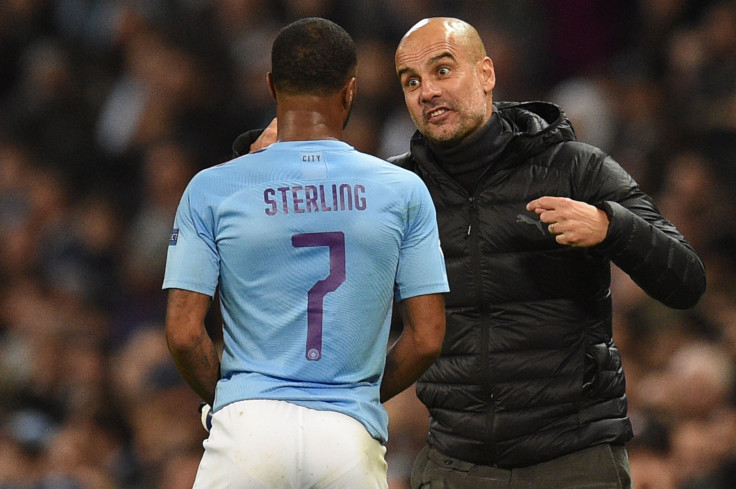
{"points": [[312, 55]]}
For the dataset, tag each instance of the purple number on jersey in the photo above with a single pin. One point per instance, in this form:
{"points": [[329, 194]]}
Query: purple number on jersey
{"points": [[315, 298]]}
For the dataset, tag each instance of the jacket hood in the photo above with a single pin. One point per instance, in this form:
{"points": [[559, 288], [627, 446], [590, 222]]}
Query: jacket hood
{"points": [[528, 129], [535, 125]]}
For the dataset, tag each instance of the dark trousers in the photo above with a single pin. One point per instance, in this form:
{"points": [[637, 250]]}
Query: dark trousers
{"points": [[600, 467]]}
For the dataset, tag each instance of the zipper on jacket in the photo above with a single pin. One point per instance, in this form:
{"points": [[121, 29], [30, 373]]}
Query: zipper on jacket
{"points": [[475, 262], [485, 328], [473, 214]]}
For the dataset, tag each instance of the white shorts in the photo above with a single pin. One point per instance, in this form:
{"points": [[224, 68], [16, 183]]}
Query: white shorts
{"points": [[275, 444]]}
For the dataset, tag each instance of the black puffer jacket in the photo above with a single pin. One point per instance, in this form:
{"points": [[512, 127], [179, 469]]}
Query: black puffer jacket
{"points": [[529, 370]]}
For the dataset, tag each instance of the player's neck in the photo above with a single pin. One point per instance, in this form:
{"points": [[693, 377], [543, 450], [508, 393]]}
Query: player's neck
{"points": [[309, 118]]}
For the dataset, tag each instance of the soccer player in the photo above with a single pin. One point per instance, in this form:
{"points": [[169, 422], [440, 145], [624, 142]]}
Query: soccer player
{"points": [[309, 242]]}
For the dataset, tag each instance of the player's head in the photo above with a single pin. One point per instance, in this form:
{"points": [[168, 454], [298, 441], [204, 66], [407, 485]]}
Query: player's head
{"points": [[312, 56]]}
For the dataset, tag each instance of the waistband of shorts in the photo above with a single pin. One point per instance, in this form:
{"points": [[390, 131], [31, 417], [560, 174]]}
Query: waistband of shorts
{"points": [[494, 471]]}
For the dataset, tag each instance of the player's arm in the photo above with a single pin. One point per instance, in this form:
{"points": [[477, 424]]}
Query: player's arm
{"points": [[192, 349], [419, 344]]}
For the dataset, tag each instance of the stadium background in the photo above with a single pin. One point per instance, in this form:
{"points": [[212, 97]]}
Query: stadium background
{"points": [[108, 107]]}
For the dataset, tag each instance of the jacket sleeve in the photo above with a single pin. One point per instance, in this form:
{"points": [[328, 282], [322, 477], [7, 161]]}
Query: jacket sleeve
{"points": [[642, 242], [241, 145], [402, 160]]}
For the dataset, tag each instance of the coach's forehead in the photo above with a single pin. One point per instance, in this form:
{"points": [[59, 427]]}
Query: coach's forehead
{"points": [[439, 34]]}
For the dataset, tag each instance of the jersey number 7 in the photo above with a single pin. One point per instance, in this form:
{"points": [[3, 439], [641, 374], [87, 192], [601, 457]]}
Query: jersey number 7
{"points": [[315, 298]]}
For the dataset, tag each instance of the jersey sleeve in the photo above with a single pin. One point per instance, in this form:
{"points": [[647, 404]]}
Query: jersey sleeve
{"points": [[421, 268], [192, 261]]}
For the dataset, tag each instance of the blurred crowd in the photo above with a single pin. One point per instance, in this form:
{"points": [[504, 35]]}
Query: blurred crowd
{"points": [[108, 107]]}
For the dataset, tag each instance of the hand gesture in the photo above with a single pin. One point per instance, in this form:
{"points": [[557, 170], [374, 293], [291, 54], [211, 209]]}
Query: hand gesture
{"points": [[572, 222], [267, 137]]}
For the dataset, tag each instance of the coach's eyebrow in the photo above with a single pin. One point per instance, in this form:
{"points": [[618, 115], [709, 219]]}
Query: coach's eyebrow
{"points": [[440, 57], [430, 61]]}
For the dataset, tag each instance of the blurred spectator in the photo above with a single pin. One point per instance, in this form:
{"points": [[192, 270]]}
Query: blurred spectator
{"points": [[165, 169], [585, 103]]}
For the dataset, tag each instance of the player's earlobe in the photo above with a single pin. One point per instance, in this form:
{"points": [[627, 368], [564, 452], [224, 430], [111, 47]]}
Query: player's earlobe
{"points": [[349, 93], [271, 86]]}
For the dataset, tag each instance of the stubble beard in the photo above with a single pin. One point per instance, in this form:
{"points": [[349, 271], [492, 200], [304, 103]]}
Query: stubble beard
{"points": [[467, 125]]}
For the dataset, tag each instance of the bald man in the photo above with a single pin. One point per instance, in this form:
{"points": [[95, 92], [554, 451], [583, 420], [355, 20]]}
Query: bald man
{"points": [[467, 103], [529, 389]]}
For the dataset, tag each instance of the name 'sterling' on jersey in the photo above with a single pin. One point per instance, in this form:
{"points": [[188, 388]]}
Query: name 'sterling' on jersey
{"points": [[301, 199]]}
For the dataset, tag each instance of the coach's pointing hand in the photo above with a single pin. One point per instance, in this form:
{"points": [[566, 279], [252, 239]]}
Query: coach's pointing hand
{"points": [[267, 137], [573, 223]]}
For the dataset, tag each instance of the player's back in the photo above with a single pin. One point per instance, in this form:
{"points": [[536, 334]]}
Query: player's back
{"points": [[309, 236]]}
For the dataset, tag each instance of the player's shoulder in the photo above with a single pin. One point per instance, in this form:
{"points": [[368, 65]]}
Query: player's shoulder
{"points": [[221, 169], [388, 168], [213, 179]]}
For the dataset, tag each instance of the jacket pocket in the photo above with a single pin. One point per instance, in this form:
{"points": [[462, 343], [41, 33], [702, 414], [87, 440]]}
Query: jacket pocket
{"points": [[603, 375]]}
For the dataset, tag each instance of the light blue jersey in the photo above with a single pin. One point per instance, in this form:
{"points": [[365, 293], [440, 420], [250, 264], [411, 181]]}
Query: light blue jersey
{"points": [[309, 243]]}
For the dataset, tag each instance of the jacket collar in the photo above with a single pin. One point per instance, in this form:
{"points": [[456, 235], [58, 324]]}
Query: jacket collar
{"points": [[515, 132]]}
